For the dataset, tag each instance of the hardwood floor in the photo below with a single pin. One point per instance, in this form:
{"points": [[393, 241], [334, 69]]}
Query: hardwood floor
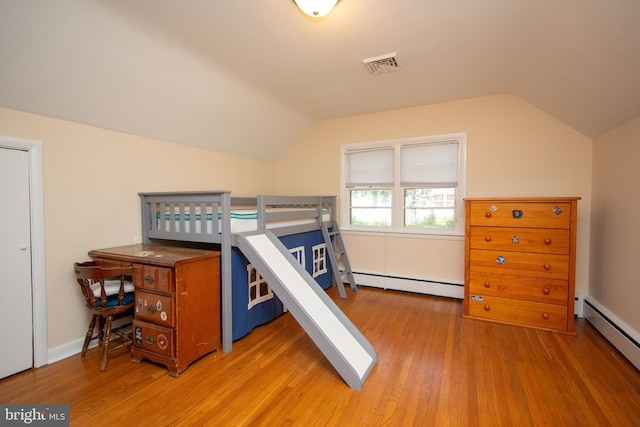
{"points": [[435, 369]]}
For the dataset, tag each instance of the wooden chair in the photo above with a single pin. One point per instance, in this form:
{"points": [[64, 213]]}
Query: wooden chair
{"points": [[108, 294]]}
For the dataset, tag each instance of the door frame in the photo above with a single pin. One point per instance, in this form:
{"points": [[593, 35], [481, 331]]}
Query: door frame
{"points": [[38, 266]]}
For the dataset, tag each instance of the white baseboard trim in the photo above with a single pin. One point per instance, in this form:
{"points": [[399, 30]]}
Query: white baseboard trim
{"points": [[421, 286], [618, 333], [578, 306], [67, 350], [74, 347]]}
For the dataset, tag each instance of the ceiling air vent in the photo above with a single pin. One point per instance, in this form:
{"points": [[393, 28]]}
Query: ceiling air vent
{"points": [[382, 64]]}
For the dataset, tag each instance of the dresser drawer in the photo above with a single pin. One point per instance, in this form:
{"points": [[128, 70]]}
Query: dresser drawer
{"points": [[153, 278], [521, 214], [519, 263], [548, 291], [548, 316], [155, 308], [154, 338], [541, 240]]}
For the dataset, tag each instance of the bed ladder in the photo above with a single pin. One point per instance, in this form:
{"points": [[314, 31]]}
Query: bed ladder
{"points": [[338, 258]]}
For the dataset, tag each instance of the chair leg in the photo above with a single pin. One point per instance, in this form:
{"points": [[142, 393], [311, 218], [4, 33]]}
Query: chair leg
{"points": [[105, 343], [89, 335], [101, 323]]}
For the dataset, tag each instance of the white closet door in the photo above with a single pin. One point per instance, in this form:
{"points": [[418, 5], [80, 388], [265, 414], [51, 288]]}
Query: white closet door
{"points": [[16, 313]]}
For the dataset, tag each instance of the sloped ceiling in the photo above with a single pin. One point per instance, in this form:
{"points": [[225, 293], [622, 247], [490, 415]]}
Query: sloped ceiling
{"points": [[249, 77]]}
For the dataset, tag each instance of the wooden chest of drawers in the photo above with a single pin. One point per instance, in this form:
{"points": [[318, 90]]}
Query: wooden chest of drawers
{"points": [[177, 293], [520, 261]]}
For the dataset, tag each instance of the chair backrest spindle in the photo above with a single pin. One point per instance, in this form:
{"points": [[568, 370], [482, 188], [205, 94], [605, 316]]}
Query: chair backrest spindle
{"points": [[89, 273]]}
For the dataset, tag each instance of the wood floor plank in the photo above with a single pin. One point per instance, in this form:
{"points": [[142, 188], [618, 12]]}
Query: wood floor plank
{"points": [[435, 369]]}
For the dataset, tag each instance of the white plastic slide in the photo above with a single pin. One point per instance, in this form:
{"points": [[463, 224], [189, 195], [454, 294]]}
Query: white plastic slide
{"points": [[338, 339]]}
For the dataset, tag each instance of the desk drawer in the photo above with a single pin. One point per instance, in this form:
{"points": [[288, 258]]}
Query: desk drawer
{"points": [[154, 338], [153, 278], [155, 308]]}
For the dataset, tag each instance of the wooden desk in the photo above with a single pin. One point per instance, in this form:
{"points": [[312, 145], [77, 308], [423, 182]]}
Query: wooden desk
{"points": [[177, 294]]}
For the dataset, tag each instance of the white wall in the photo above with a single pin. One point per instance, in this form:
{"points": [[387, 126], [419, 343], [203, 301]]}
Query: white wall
{"points": [[615, 230]]}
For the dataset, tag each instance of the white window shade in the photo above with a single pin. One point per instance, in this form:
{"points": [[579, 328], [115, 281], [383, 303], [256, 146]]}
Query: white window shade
{"points": [[434, 164], [369, 168]]}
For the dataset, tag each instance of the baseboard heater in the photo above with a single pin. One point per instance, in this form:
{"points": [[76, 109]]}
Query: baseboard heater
{"points": [[421, 286], [621, 336]]}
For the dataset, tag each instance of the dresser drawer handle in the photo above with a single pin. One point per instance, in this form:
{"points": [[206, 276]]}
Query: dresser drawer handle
{"points": [[151, 309], [547, 241], [546, 291], [545, 316], [149, 339], [148, 279], [547, 267], [487, 284], [488, 214], [487, 238], [487, 307]]}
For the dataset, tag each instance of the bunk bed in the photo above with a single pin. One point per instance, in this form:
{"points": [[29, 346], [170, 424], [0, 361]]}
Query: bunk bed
{"points": [[214, 217]]}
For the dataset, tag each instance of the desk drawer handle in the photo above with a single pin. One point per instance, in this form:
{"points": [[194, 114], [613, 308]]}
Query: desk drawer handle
{"points": [[547, 241], [546, 291], [148, 279], [487, 284], [545, 316], [487, 215], [487, 239], [487, 307], [547, 267]]}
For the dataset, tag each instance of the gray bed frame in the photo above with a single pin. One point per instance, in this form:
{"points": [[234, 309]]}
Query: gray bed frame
{"points": [[309, 208]]}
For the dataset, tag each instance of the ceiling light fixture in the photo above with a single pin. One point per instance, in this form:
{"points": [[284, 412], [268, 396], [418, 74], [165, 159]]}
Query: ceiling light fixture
{"points": [[316, 8]]}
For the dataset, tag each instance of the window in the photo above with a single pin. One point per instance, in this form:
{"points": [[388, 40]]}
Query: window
{"points": [[407, 186], [259, 290], [319, 259], [298, 253]]}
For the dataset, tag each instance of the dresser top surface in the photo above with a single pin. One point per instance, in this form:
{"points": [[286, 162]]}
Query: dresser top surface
{"points": [[521, 199], [153, 254]]}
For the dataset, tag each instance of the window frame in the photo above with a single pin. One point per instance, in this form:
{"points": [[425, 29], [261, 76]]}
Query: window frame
{"points": [[319, 253], [397, 190], [298, 254], [259, 298]]}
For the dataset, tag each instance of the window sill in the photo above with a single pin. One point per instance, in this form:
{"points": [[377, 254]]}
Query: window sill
{"points": [[402, 235]]}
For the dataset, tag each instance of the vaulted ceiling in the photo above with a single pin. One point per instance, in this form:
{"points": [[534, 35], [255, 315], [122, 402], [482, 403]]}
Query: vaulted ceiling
{"points": [[248, 77]]}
